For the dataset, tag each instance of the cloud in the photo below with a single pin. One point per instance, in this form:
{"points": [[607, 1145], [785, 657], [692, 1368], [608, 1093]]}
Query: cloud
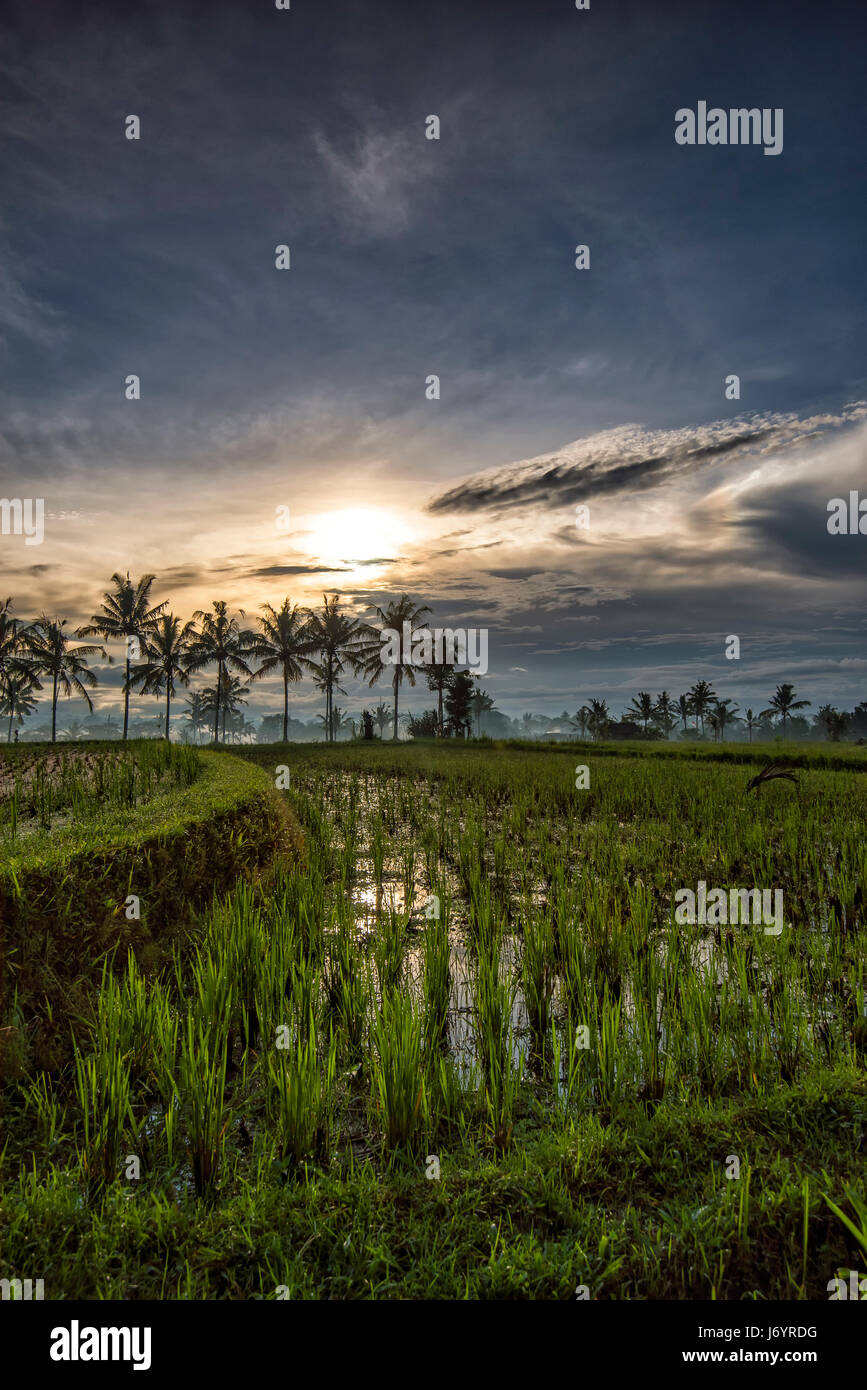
{"points": [[630, 459], [375, 180]]}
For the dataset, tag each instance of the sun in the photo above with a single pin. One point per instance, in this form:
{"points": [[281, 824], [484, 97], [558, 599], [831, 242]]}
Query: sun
{"points": [[358, 533]]}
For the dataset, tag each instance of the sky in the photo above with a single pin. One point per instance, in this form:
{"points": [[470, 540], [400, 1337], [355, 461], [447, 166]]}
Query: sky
{"points": [[307, 388]]}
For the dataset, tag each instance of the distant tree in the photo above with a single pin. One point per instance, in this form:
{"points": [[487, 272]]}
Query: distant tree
{"points": [[196, 712], [581, 722], [723, 713], [223, 641], [367, 730], [627, 728], [685, 710], [600, 718], [751, 721], [392, 619], [457, 701], [338, 720], [701, 698], [782, 703], [224, 701], [641, 709], [341, 641], [49, 650], [74, 732], [18, 693], [382, 717], [125, 613], [167, 648], [832, 721], [438, 675], [858, 720], [285, 644], [425, 725], [480, 703], [665, 712]]}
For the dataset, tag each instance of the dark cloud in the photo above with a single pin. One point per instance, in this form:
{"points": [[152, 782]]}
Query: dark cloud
{"points": [[601, 464], [516, 572]]}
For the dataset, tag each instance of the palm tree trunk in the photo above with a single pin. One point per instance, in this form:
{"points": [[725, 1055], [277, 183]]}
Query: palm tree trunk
{"points": [[126, 697], [440, 706], [168, 707], [54, 710], [9, 735], [285, 707], [217, 703], [396, 692]]}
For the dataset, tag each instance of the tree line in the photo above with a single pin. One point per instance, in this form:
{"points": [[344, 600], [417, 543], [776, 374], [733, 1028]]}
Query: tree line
{"points": [[702, 705], [162, 652]]}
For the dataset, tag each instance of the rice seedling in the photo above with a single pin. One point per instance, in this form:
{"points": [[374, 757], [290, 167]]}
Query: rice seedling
{"points": [[397, 1072], [102, 1088], [436, 983], [347, 988], [299, 1086], [389, 948], [202, 1089]]}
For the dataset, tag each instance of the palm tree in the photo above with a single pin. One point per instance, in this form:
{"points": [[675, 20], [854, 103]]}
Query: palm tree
{"points": [[12, 633], [381, 716], [339, 639], [393, 617], [701, 697], [167, 649], [196, 713], [642, 708], [724, 712], [684, 709], [221, 640], [782, 703], [125, 614], [74, 731], [285, 644], [600, 718], [581, 722], [16, 693], [480, 703], [224, 700], [751, 722], [665, 712], [458, 696], [438, 675], [48, 646]]}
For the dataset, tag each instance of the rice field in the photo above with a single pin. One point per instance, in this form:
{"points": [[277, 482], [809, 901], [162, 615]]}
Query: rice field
{"points": [[466, 1046], [39, 790]]}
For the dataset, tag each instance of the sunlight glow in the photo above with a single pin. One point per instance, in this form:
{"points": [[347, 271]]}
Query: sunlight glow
{"points": [[359, 533]]}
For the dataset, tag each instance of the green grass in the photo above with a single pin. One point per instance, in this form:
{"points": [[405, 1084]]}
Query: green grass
{"points": [[66, 893], [584, 1069]]}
